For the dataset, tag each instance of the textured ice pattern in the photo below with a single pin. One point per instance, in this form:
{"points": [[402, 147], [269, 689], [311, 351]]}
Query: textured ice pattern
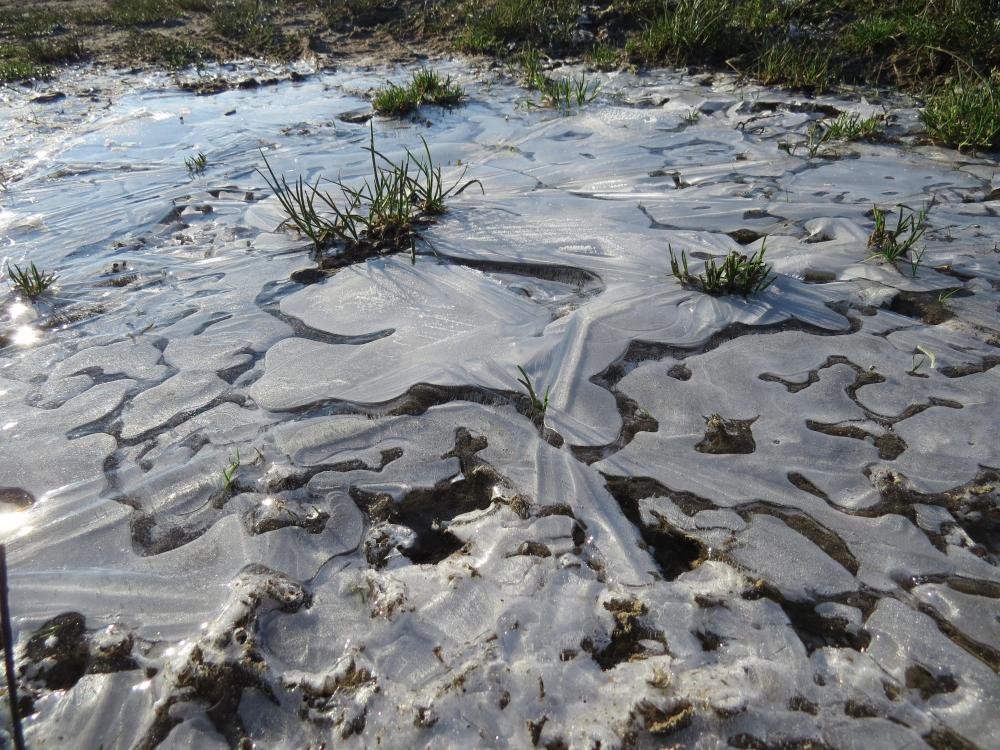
{"points": [[753, 523]]}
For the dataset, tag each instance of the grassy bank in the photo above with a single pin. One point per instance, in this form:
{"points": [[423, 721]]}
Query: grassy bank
{"points": [[947, 51]]}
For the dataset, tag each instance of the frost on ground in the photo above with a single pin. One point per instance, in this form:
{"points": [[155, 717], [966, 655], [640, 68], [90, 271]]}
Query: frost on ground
{"points": [[244, 510]]}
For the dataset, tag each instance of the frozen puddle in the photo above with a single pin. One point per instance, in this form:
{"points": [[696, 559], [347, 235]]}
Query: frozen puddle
{"points": [[763, 523]]}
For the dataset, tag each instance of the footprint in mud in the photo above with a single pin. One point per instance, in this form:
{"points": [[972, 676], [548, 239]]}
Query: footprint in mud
{"points": [[424, 515], [673, 551], [417, 524]]}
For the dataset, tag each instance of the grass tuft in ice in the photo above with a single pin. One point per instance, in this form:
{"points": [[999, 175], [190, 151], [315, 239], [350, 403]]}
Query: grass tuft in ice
{"points": [[196, 164], [377, 216], [425, 87], [965, 113], [738, 274], [394, 100], [429, 192], [538, 405], [850, 126], [433, 89], [893, 245], [563, 93], [230, 471], [30, 282]]}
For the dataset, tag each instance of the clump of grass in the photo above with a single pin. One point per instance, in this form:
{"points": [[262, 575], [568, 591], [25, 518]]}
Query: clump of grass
{"points": [[170, 52], [28, 21], [428, 190], [196, 164], [431, 88], [796, 65], [685, 31], [503, 25], [850, 126], [538, 405], [946, 295], [816, 137], [564, 92], [738, 274], [247, 23], [34, 58], [893, 245], [554, 92], [377, 217], [21, 70], [426, 87], [30, 282], [130, 13], [604, 56], [965, 113], [396, 100]]}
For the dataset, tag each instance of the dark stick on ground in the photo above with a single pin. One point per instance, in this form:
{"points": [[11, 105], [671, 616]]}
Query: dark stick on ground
{"points": [[8, 652]]}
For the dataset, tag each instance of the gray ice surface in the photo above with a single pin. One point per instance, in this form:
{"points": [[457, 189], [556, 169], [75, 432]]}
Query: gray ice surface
{"points": [[401, 558]]}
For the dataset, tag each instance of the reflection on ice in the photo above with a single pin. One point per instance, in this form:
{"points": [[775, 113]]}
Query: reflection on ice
{"points": [[25, 336]]}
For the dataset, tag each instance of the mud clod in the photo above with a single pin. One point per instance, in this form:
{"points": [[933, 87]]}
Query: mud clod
{"points": [[57, 652], [665, 721], [727, 436], [17, 497], [533, 549], [800, 703], [626, 638], [749, 742], [924, 306], [919, 678]]}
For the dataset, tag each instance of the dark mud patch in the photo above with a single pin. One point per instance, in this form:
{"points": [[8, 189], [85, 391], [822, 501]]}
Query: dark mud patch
{"points": [[229, 660], [679, 371], [625, 641], [281, 514], [925, 306], [427, 512], [960, 371], [62, 650], [974, 506], [806, 485], [815, 532], [634, 420], [674, 551], [943, 738], [62, 643], [790, 385], [664, 721], [890, 446], [928, 684], [750, 742], [813, 629], [745, 236], [19, 498], [727, 436]]}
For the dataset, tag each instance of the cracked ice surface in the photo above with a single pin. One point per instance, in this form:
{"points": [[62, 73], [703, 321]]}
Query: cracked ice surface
{"points": [[758, 523]]}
